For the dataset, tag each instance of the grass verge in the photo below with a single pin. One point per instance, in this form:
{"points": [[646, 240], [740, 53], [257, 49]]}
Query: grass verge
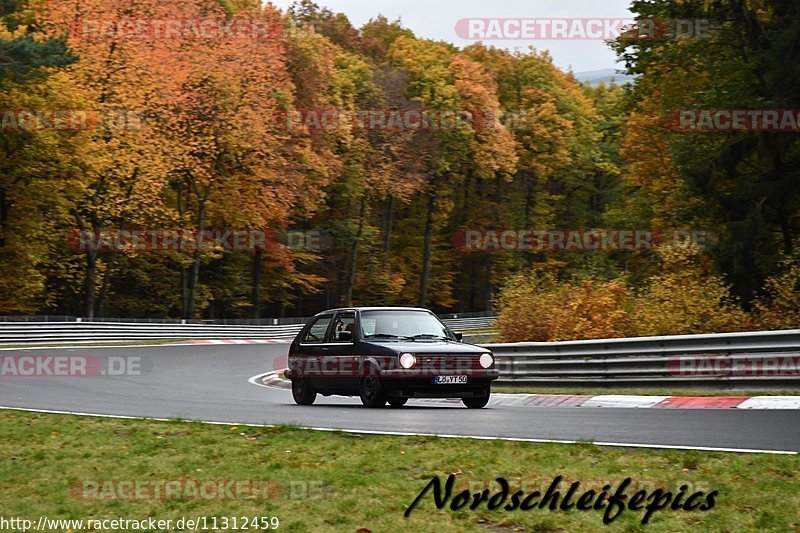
{"points": [[341, 482]]}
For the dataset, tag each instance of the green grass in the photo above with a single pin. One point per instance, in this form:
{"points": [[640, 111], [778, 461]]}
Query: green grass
{"points": [[595, 391], [365, 483]]}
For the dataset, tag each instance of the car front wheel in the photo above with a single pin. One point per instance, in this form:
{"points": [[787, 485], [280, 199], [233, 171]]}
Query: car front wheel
{"points": [[397, 401], [372, 392], [303, 392], [476, 402]]}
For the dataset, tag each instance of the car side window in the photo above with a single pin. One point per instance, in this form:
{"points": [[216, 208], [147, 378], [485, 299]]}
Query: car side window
{"points": [[344, 323], [316, 333]]}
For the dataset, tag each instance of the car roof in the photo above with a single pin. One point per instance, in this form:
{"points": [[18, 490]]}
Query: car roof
{"points": [[374, 309]]}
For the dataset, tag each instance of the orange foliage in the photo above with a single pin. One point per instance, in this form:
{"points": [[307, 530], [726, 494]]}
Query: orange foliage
{"points": [[779, 308], [684, 298], [539, 308]]}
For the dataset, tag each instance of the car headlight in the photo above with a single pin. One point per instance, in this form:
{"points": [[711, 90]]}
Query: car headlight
{"points": [[487, 360], [407, 360]]}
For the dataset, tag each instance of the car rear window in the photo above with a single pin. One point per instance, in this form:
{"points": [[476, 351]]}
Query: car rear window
{"points": [[316, 333]]}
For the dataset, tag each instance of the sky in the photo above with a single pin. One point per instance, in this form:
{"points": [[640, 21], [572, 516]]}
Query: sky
{"points": [[436, 19]]}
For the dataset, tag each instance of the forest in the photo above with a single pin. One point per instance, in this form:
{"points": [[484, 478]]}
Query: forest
{"points": [[326, 165]]}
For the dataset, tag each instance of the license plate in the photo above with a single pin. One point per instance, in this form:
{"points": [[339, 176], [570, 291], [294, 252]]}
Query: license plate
{"points": [[449, 380]]}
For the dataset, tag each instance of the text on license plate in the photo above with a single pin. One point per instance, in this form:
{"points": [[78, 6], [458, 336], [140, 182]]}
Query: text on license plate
{"points": [[449, 380]]}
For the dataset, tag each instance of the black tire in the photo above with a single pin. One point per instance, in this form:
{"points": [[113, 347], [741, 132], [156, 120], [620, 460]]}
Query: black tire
{"points": [[372, 392], [477, 402], [397, 401], [302, 391]]}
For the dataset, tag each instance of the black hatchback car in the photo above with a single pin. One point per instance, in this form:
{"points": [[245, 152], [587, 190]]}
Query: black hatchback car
{"points": [[387, 354]]}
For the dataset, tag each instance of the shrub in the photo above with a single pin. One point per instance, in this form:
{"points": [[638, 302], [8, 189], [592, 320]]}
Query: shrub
{"points": [[779, 307], [685, 298], [539, 308]]}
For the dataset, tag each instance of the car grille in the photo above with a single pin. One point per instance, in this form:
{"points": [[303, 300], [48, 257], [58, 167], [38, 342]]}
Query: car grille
{"points": [[448, 362]]}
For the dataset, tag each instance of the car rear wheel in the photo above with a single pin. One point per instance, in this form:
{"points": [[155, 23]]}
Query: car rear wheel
{"points": [[476, 402], [397, 401], [303, 392], [372, 392]]}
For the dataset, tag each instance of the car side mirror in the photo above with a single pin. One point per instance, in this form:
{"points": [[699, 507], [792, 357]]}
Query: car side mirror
{"points": [[346, 336], [459, 337]]}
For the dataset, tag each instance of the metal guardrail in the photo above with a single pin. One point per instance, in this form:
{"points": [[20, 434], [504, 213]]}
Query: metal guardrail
{"points": [[13, 333], [466, 324], [88, 332], [769, 359], [454, 319], [216, 321]]}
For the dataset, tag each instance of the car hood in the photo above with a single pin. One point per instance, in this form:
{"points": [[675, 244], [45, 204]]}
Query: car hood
{"points": [[426, 346]]}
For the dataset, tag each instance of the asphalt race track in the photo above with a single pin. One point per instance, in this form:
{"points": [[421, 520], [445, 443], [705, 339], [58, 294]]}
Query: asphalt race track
{"points": [[210, 383]]}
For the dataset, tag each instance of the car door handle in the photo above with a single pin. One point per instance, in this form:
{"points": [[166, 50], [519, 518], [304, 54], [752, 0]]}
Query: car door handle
{"points": [[325, 349]]}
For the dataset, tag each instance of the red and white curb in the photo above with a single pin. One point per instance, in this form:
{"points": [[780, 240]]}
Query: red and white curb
{"points": [[240, 341], [617, 401], [272, 380]]}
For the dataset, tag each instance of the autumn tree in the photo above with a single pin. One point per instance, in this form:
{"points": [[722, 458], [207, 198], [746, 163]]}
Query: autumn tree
{"points": [[117, 165], [232, 164], [30, 83], [743, 183]]}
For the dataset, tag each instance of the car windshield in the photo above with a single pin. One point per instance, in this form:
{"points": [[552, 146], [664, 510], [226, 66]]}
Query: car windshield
{"points": [[405, 325]]}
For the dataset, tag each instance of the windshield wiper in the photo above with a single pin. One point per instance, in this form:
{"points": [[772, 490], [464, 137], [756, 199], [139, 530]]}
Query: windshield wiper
{"points": [[430, 336], [388, 336]]}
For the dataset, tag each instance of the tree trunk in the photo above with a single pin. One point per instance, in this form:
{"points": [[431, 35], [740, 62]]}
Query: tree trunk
{"points": [[351, 277], [194, 276], [464, 278], [426, 253], [388, 227], [529, 199], [88, 290], [488, 295], [489, 290], [298, 306], [184, 290], [786, 233], [256, 296], [4, 209], [101, 298]]}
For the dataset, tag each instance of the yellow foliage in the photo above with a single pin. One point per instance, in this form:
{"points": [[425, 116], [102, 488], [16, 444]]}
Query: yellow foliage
{"points": [[779, 308], [685, 298], [539, 308]]}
